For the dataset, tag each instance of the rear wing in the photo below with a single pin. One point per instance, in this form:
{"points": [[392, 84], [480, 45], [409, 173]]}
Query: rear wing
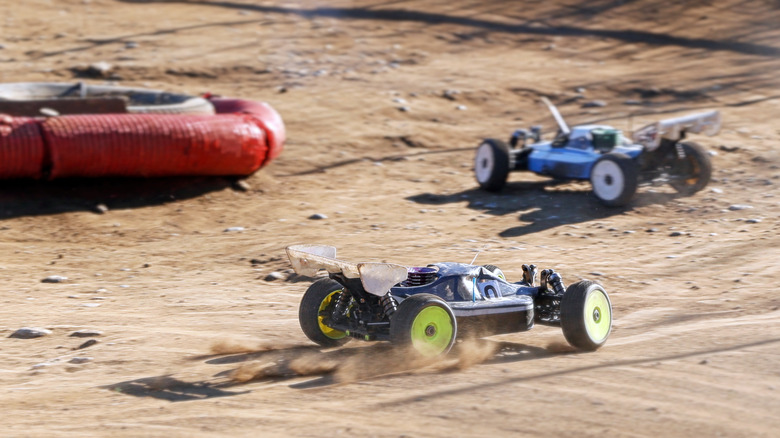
{"points": [[707, 123], [377, 278]]}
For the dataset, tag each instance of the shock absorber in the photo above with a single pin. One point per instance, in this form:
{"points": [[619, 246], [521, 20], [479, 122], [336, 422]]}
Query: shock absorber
{"points": [[389, 305], [551, 280], [342, 305]]}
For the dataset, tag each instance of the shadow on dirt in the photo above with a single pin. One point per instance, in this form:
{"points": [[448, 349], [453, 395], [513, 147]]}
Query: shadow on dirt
{"points": [[542, 204], [170, 389], [328, 367], [527, 27], [33, 198]]}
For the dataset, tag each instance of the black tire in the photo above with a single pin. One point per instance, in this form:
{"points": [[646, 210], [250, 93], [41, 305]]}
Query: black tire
{"points": [[496, 270], [695, 170], [425, 324], [321, 296], [491, 164], [614, 179], [586, 315]]}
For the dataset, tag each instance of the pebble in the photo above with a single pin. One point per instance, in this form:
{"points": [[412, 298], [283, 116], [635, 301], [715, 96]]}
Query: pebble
{"points": [[753, 221], [86, 344], [597, 274], [54, 279], [403, 109], [90, 305], [461, 107], [651, 230], [101, 208], [233, 229], [675, 234], [101, 68], [716, 190], [737, 207], [629, 232], [86, 333], [399, 100], [242, 186], [594, 104], [131, 45], [450, 94], [318, 216], [273, 276], [78, 360], [30, 333]]}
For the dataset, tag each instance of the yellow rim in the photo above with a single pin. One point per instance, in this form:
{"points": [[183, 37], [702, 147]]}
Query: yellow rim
{"points": [[325, 305], [432, 331], [598, 316]]}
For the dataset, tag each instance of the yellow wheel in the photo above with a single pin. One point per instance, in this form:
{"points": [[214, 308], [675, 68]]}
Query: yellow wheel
{"points": [[586, 315], [317, 303], [425, 323]]}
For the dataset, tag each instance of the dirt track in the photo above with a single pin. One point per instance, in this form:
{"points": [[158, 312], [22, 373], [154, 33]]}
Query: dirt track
{"points": [[695, 349]]}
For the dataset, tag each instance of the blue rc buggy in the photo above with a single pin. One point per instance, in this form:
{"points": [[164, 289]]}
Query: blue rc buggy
{"points": [[615, 165], [428, 308]]}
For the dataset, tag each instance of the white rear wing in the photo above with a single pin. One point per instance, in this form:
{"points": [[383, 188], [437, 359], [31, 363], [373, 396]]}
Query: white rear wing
{"points": [[707, 123], [377, 278]]}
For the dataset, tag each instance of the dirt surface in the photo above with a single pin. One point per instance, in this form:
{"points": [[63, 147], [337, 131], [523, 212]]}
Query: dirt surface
{"points": [[195, 341]]}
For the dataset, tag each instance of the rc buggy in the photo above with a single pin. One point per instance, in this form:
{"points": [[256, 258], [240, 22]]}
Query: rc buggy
{"points": [[428, 308], [657, 154]]}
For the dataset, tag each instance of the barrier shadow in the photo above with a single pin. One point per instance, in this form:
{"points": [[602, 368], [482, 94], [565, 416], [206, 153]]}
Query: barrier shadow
{"points": [[20, 198]]}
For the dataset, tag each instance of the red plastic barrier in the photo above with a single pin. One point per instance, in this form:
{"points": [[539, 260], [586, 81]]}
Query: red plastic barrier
{"points": [[21, 147], [240, 140], [154, 145], [266, 116]]}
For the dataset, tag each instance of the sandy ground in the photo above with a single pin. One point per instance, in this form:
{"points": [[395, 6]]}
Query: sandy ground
{"points": [[184, 311]]}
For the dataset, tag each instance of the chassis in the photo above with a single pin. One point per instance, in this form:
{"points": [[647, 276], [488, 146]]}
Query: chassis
{"points": [[657, 154], [428, 308]]}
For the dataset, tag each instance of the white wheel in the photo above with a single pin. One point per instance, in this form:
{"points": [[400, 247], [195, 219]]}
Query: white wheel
{"points": [[491, 164], [614, 179]]}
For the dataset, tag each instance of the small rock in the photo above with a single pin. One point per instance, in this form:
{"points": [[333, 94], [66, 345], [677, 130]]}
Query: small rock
{"points": [[737, 207], [597, 274], [725, 148], [399, 100], [78, 360], [753, 221], [403, 109], [233, 229], [255, 262], [632, 102], [242, 186], [273, 276], [318, 216], [461, 107], [86, 344], [54, 279], [716, 190], [450, 94], [2, 46], [549, 47], [101, 68], [594, 104], [675, 234], [49, 112], [629, 232], [580, 90], [86, 333], [30, 333], [704, 362], [131, 45], [101, 208], [91, 305], [651, 230]]}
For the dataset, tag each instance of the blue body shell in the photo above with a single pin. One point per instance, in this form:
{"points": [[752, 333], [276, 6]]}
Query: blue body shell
{"points": [[472, 290], [574, 159]]}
